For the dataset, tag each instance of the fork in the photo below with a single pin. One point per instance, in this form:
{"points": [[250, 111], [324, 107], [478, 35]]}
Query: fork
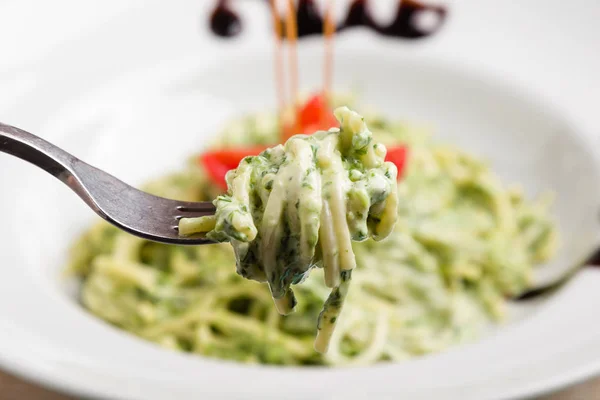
{"points": [[592, 260], [132, 210]]}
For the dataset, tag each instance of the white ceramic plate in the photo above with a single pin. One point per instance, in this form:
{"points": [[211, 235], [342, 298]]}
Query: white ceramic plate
{"points": [[138, 102]]}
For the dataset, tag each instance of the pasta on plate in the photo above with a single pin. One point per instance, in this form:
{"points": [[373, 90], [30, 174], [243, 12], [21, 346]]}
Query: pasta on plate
{"points": [[464, 241]]}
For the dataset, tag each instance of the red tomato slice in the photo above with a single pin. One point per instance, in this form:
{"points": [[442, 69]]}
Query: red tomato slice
{"points": [[313, 110], [398, 156], [216, 171], [327, 121], [314, 115], [217, 163], [232, 157]]}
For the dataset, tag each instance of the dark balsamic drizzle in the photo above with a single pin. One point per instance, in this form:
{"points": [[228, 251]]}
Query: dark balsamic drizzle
{"points": [[308, 18], [225, 22], [405, 23]]}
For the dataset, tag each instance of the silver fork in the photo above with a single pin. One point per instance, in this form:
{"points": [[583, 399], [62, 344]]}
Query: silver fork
{"points": [[139, 213]]}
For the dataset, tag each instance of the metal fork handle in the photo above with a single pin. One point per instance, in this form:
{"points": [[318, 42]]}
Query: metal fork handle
{"points": [[36, 150], [45, 155]]}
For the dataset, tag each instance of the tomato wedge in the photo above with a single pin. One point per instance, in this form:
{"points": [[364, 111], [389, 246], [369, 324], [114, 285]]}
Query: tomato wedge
{"points": [[232, 157], [218, 162], [313, 116], [397, 155], [313, 111]]}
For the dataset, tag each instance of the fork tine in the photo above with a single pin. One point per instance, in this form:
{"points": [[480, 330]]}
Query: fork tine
{"points": [[202, 207]]}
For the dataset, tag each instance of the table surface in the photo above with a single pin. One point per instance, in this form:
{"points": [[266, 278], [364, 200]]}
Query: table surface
{"points": [[15, 388]]}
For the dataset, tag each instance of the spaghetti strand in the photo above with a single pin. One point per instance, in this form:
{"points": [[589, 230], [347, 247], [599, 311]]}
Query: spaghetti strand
{"points": [[292, 37], [278, 61], [329, 33]]}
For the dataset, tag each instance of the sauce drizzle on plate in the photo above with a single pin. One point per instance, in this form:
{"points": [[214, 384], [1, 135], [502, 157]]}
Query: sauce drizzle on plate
{"points": [[413, 19]]}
